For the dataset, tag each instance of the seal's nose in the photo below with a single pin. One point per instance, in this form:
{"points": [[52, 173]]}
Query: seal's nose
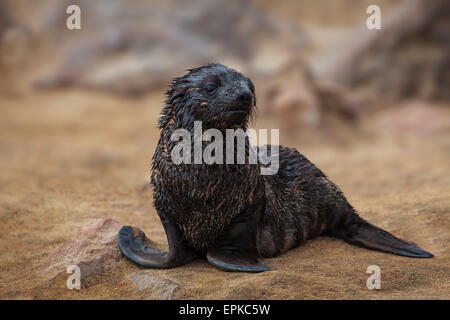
{"points": [[245, 96]]}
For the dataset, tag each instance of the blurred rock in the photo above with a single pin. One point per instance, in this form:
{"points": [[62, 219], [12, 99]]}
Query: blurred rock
{"points": [[94, 246], [339, 101], [134, 48], [156, 288], [409, 57], [296, 107], [299, 101], [417, 117], [15, 43]]}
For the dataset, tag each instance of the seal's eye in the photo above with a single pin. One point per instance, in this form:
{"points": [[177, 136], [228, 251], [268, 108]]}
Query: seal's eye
{"points": [[211, 88]]}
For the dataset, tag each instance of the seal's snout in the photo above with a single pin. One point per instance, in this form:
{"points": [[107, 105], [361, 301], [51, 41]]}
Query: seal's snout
{"points": [[245, 97], [243, 100]]}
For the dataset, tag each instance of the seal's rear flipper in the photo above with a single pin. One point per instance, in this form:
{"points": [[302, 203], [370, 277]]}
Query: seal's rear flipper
{"points": [[233, 261], [360, 232], [132, 243]]}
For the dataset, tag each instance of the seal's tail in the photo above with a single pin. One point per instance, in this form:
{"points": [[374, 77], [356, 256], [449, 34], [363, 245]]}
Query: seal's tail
{"points": [[355, 230]]}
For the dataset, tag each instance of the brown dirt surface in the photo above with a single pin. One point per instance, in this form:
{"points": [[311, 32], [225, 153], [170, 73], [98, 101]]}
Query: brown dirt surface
{"points": [[68, 157]]}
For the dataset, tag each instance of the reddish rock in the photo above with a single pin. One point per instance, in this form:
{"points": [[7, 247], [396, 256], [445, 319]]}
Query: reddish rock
{"points": [[298, 100], [296, 106], [94, 246], [417, 117]]}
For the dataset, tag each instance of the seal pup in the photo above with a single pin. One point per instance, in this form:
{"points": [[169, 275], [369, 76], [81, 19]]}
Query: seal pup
{"points": [[231, 214]]}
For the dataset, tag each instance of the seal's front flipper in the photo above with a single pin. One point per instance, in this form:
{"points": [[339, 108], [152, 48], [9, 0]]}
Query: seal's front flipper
{"points": [[133, 244], [235, 261], [236, 248], [360, 232]]}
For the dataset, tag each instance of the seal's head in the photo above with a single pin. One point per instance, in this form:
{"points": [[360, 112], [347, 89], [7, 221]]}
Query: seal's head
{"points": [[218, 96]]}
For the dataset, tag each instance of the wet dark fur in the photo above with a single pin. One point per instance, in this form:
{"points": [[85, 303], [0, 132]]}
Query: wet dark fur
{"points": [[231, 212], [202, 199]]}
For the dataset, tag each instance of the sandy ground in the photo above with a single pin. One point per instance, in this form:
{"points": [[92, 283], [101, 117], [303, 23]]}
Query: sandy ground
{"points": [[68, 157]]}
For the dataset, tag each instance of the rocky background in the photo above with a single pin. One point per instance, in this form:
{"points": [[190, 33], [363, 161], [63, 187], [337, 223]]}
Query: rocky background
{"points": [[78, 130]]}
